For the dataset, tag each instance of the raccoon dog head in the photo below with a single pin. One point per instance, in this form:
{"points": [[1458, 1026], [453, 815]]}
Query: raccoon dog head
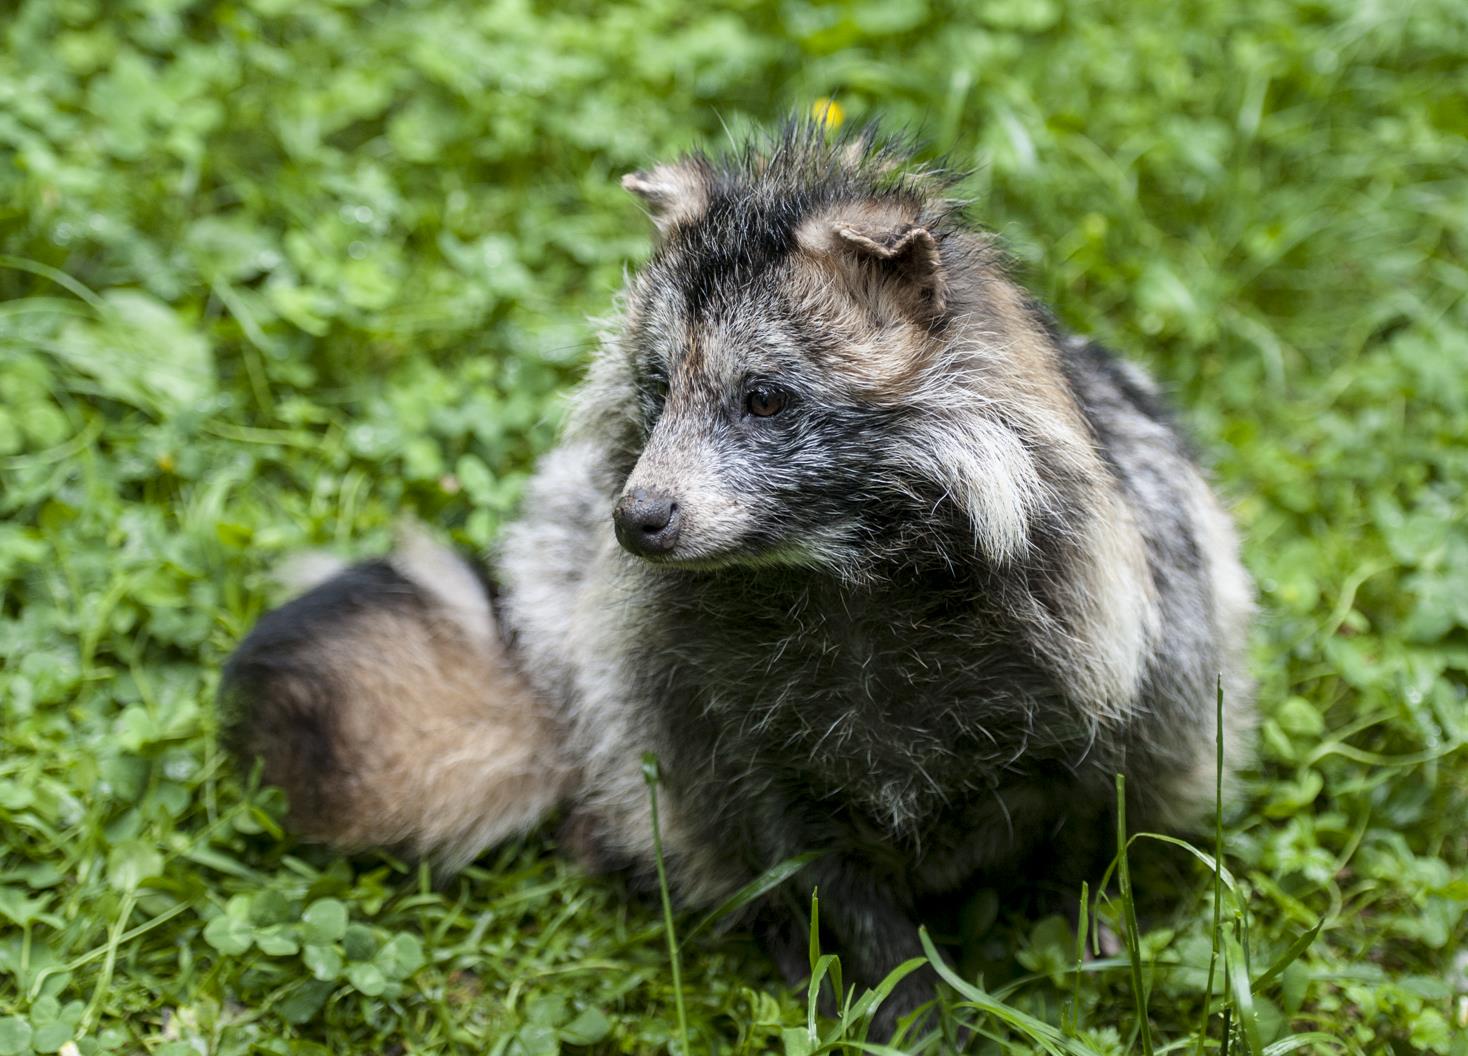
{"points": [[789, 356]]}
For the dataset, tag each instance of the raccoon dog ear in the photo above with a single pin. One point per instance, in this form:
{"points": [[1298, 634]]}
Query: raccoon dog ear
{"points": [[674, 194], [864, 243], [908, 251]]}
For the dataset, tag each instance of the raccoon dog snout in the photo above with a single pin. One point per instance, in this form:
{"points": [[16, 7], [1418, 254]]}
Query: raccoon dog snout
{"points": [[647, 524]]}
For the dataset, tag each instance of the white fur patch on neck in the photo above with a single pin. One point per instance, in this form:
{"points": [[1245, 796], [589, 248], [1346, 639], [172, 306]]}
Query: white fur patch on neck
{"points": [[1117, 618], [991, 476]]}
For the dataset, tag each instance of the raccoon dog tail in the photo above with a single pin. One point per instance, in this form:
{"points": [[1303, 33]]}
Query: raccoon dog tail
{"points": [[385, 704]]}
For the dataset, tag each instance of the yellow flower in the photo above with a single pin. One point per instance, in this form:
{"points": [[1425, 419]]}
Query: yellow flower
{"points": [[827, 112]]}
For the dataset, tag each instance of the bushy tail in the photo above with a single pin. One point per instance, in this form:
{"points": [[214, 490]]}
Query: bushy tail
{"points": [[385, 705]]}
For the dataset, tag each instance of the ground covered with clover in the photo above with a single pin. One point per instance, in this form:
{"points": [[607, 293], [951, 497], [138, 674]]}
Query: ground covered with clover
{"points": [[273, 274]]}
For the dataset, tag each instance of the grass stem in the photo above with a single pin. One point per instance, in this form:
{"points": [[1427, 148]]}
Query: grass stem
{"points": [[1129, 909], [650, 774], [1082, 923], [1217, 875]]}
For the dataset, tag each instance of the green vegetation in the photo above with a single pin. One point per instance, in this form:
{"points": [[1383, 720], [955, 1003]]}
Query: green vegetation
{"points": [[274, 272]]}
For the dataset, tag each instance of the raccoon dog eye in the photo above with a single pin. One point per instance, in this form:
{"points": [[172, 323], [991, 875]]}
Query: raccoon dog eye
{"points": [[764, 401]]}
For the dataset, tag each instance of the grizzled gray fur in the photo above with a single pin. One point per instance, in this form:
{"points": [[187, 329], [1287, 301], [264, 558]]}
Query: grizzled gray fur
{"points": [[876, 560]]}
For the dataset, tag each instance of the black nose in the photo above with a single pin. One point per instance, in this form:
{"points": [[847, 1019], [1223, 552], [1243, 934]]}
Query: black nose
{"points": [[646, 524]]}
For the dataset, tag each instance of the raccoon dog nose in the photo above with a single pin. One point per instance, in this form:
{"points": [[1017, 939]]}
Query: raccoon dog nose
{"points": [[646, 524]]}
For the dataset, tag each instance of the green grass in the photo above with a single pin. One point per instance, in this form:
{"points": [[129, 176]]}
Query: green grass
{"points": [[274, 272]]}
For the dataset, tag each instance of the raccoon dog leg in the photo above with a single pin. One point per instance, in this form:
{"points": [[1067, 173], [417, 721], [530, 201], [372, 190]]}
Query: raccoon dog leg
{"points": [[384, 703]]}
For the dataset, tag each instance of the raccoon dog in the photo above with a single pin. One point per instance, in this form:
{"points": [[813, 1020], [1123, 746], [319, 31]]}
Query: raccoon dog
{"points": [[877, 561]]}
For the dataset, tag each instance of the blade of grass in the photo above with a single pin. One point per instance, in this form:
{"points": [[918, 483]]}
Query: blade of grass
{"points": [[1041, 1033], [1129, 911], [763, 884], [55, 275], [1299, 1041], [861, 1046], [1217, 871], [1082, 923], [813, 994], [651, 775], [813, 950], [821, 966], [109, 961], [1289, 956], [1214, 866], [870, 1001], [1243, 994]]}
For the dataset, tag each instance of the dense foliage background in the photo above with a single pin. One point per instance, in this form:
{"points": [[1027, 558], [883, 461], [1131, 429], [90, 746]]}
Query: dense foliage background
{"points": [[274, 272]]}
